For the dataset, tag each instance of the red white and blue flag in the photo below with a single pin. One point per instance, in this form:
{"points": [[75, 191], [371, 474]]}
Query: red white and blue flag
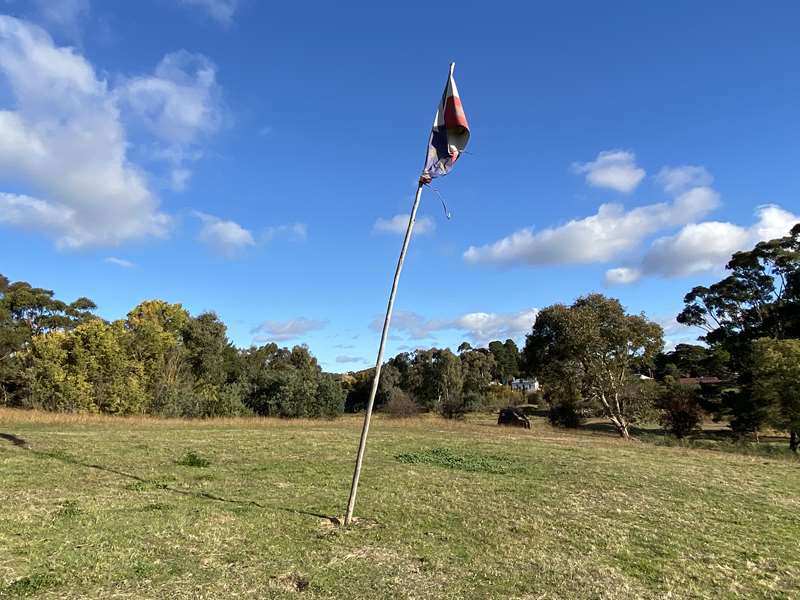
{"points": [[449, 135]]}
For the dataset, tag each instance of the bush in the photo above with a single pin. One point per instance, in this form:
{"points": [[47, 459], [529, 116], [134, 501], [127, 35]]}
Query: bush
{"points": [[400, 405], [680, 410], [330, 398], [536, 398], [567, 408], [500, 396], [192, 459], [453, 407], [473, 401], [565, 413]]}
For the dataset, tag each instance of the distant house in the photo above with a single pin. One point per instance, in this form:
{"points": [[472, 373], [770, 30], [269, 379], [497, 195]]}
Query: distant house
{"points": [[525, 385]]}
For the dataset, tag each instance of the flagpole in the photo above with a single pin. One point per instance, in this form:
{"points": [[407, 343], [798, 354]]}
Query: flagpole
{"points": [[384, 335]]}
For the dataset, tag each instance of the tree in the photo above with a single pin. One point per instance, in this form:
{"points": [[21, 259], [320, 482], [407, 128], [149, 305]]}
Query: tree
{"points": [[157, 331], [255, 378], [435, 379], [27, 311], [566, 405], [450, 379], [512, 358], [361, 387], [776, 384], [598, 343], [506, 356], [330, 397], [208, 349], [692, 360], [477, 367], [295, 380], [88, 368], [760, 298]]}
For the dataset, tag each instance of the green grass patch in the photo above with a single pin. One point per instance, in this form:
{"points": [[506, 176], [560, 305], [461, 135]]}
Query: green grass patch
{"points": [[192, 459]]}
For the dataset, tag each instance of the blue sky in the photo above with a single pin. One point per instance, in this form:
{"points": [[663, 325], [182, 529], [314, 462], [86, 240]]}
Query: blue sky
{"points": [[253, 159]]}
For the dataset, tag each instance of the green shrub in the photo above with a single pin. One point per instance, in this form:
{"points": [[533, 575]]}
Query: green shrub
{"points": [[192, 459], [452, 407], [330, 398], [565, 413], [500, 396]]}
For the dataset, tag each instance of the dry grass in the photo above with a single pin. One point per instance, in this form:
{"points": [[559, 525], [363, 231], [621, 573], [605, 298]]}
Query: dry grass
{"points": [[96, 507]]}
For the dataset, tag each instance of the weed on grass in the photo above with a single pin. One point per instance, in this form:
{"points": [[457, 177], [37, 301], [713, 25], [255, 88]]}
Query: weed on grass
{"points": [[27, 586], [292, 582], [192, 459], [475, 463], [68, 510]]}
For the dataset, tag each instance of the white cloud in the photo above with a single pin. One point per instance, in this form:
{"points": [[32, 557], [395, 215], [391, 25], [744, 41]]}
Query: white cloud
{"points": [[226, 238], [120, 262], [678, 179], [64, 15], [180, 105], [30, 213], [622, 275], [415, 326], [180, 101], [597, 238], [613, 169], [221, 11], [293, 231], [65, 142], [484, 327], [343, 358], [280, 331], [707, 246], [480, 327], [398, 224]]}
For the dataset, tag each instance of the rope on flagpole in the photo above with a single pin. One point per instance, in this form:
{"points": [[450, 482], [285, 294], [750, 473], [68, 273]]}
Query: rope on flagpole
{"points": [[447, 213]]}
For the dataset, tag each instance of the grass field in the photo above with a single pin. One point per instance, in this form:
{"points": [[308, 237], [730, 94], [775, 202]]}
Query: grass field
{"points": [[98, 507]]}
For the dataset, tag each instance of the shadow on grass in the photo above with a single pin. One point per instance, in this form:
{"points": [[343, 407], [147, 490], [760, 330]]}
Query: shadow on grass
{"points": [[17, 441], [718, 435], [71, 460]]}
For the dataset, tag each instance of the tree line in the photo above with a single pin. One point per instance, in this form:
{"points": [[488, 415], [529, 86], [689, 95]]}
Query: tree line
{"points": [[591, 357], [159, 360], [439, 380]]}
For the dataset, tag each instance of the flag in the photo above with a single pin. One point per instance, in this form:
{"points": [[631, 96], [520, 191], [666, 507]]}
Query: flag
{"points": [[449, 135]]}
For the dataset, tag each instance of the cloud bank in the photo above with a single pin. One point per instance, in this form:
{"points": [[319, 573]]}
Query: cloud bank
{"points": [[479, 327], [280, 331]]}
